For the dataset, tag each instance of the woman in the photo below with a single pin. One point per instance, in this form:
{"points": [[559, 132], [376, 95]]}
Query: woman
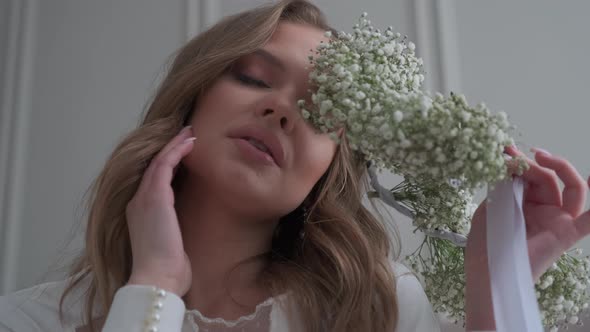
{"points": [[258, 221]]}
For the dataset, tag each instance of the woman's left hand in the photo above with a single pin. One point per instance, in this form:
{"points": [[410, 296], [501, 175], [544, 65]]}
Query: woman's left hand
{"points": [[554, 222]]}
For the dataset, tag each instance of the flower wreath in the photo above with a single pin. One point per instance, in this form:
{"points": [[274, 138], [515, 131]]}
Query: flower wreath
{"points": [[370, 82]]}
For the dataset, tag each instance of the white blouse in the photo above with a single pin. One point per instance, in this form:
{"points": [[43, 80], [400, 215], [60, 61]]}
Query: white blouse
{"points": [[144, 308]]}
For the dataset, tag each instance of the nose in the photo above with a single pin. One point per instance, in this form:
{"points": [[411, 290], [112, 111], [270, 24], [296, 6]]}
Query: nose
{"points": [[281, 112]]}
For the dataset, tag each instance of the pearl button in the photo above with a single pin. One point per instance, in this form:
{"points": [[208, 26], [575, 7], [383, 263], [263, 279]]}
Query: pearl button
{"points": [[157, 305]]}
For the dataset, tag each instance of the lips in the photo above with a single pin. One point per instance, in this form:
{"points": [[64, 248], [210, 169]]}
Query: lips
{"points": [[259, 145], [263, 139]]}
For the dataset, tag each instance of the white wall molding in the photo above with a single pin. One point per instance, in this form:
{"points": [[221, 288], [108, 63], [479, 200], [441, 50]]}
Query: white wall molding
{"points": [[200, 14], [450, 68], [16, 109], [425, 44], [436, 42]]}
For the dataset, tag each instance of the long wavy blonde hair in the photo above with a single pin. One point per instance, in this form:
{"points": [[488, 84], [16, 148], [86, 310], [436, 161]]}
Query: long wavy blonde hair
{"points": [[339, 275]]}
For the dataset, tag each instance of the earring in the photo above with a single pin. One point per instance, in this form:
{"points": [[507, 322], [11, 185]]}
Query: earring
{"points": [[304, 215]]}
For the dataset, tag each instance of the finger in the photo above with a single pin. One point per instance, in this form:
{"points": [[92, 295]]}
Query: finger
{"points": [[575, 188], [185, 133], [582, 224], [583, 221], [544, 182], [163, 168]]}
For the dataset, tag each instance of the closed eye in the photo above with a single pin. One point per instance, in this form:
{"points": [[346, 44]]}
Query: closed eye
{"points": [[248, 80]]}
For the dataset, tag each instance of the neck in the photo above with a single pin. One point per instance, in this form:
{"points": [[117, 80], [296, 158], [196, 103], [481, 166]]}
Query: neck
{"points": [[217, 239]]}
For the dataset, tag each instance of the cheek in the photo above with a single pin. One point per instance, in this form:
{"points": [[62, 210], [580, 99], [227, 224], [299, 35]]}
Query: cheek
{"points": [[222, 99], [315, 160], [214, 113], [210, 106]]}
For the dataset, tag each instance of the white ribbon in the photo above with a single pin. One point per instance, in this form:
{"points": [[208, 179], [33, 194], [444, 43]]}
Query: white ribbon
{"points": [[513, 293]]}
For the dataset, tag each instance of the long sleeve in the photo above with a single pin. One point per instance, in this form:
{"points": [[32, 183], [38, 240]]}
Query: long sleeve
{"points": [[134, 308], [145, 308], [36, 309], [14, 318]]}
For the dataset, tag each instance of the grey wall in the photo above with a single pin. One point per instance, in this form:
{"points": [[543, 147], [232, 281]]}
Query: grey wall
{"points": [[85, 70], [93, 67], [4, 31]]}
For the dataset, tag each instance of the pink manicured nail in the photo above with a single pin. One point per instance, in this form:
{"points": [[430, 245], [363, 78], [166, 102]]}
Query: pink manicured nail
{"points": [[511, 149], [190, 139], [543, 151]]}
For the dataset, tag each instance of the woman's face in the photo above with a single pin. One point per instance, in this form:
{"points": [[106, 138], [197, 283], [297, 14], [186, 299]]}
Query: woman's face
{"points": [[253, 147]]}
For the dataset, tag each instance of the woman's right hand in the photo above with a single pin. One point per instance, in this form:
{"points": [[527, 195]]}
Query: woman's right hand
{"points": [[158, 253]]}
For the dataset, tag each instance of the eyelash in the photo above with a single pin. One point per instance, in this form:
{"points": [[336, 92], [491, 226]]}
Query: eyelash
{"points": [[248, 80]]}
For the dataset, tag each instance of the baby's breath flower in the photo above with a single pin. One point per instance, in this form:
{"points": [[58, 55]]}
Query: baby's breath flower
{"points": [[370, 83], [564, 290], [369, 68], [441, 270]]}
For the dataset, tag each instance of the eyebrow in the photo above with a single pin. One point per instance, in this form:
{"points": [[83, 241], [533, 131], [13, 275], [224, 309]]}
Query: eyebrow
{"points": [[270, 58]]}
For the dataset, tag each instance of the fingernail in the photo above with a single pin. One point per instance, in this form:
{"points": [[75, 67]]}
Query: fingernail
{"points": [[511, 149], [190, 139], [543, 151]]}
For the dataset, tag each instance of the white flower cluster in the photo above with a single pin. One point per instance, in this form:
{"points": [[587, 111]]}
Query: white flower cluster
{"points": [[437, 205], [369, 83], [562, 291], [441, 271]]}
